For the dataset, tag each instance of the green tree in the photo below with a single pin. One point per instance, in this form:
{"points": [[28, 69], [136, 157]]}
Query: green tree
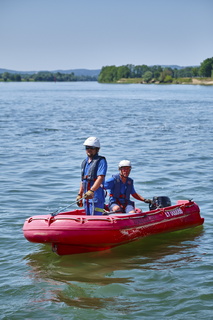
{"points": [[108, 74], [147, 76], [156, 70], [166, 72], [15, 77], [168, 79], [206, 67], [131, 68], [144, 69], [123, 72], [137, 72], [195, 71], [140, 70], [6, 76]]}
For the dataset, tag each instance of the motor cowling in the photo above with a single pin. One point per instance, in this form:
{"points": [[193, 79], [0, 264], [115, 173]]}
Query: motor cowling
{"points": [[160, 202]]}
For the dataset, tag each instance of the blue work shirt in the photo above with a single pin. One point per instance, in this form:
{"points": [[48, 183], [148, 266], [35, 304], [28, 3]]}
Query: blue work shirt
{"points": [[99, 195], [109, 185]]}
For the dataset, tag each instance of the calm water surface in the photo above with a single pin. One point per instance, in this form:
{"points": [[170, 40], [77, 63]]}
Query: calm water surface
{"points": [[167, 133]]}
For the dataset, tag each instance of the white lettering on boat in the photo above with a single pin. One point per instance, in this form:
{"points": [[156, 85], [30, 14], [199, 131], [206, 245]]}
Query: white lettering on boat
{"points": [[173, 212]]}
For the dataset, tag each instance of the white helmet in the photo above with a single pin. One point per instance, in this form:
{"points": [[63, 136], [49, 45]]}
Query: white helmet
{"points": [[124, 163], [92, 142]]}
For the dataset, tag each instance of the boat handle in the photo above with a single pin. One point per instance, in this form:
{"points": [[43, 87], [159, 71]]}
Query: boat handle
{"points": [[50, 220]]}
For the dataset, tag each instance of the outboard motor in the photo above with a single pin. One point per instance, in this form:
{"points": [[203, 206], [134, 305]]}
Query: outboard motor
{"points": [[160, 202]]}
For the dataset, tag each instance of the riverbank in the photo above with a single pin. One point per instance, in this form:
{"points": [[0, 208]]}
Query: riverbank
{"points": [[208, 81], [197, 81]]}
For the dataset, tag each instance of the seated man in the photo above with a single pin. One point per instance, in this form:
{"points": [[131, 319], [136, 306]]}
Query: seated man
{"points": [[121, 187]]}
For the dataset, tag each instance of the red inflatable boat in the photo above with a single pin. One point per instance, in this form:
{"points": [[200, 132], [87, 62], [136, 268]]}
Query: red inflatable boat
{"points": [[74, 232]]}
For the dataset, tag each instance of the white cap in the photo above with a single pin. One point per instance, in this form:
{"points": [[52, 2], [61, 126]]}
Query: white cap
{"points": [[124, 163], [92, 142]]}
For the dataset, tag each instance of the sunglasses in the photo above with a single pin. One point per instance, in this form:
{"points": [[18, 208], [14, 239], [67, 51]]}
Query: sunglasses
{"points": [[88, 147]]}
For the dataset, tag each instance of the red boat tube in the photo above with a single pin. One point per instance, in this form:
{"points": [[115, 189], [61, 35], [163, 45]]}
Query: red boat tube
{"points": [[74, 232]]}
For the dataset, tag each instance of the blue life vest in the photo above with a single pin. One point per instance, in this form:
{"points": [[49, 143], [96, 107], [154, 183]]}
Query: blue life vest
{"points": [[115, 196], [92, 174]]}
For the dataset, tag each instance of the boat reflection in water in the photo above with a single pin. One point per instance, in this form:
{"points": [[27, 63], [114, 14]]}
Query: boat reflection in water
{"points": [[82, 280]]}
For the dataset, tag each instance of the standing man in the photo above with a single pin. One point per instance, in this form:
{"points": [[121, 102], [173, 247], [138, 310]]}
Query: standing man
{"points": [[121, 187], [93, 172]]}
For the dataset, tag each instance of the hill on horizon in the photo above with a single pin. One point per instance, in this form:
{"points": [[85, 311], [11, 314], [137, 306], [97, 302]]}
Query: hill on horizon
{"points": [[77, 72]]}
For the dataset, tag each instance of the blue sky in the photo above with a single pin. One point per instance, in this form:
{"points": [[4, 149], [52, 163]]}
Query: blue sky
{"points": [[73, 34]]}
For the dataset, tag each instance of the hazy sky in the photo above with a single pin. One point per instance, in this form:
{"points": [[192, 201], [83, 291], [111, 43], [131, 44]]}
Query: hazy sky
{"points": [[72, 34]]}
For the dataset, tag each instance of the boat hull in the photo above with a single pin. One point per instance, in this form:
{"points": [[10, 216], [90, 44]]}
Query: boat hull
{"points": [[74, 232]]}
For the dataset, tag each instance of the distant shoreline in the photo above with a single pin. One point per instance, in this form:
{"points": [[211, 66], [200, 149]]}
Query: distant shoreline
{"points": [[128, 81], [189, 81], [194, 81]]}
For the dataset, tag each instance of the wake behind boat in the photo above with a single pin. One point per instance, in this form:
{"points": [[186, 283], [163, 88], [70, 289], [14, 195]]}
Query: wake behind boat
{"points": [[75, 232]]}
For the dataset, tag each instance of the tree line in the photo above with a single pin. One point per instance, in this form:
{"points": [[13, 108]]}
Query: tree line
{"points": [[112, 74], [46, 77], [154, 73]]}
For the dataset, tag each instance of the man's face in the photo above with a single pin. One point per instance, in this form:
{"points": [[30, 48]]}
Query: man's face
{"points": [[91, 151], [125, 171]]}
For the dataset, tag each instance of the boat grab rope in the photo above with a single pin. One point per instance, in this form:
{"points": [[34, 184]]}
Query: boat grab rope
{"points": [[110, 218], [82, 220]]}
